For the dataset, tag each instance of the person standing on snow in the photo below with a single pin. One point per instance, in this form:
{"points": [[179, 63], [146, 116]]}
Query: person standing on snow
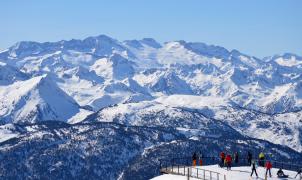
{"points": [[249, 158], [236, 157], [261, 159], [222, 157], [200, 159], [299, 172], [268, 166], [254, 168], [194, 158], [228, 160]]}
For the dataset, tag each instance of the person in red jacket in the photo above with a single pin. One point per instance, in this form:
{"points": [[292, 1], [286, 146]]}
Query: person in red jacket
{"points": [[222, 157], [228, 160], [268, 166]]}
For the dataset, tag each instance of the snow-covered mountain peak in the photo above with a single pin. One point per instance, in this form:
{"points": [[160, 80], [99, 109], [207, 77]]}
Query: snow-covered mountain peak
{"points": [[199, 48], [288, 60], [101, 45], [103, 37], [174, 45], [170, 83], [242, 60], [143, 43], [24, 48], [151, 42], [134, 44], [208, 50], [187, 53], [116, 67], [36, 99], [289, 56]]}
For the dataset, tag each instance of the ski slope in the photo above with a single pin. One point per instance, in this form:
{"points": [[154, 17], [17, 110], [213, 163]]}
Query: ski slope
{"points": [[237, 173]]}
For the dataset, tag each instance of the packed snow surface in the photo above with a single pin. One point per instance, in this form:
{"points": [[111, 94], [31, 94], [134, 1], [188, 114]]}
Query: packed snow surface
{"points": [[237, 173]]}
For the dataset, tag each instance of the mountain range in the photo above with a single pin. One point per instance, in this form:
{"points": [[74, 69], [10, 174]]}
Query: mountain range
{"points": [[186, 90]]}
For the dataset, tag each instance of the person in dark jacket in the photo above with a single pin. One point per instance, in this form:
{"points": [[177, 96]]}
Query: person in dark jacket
{"points": [[222, 157], [236, 157], [253, 164], [194, 158], [249, 158], [281, 174]]}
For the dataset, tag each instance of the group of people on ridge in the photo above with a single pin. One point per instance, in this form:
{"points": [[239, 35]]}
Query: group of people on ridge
{"points": [[268, 166], [226, 161]]}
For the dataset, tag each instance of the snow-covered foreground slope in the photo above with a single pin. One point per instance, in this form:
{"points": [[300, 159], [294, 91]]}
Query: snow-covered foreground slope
{"points": [[237, 173]]}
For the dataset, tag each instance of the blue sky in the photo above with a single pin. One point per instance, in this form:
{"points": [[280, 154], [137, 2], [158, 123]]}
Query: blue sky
{"points": [[258, 27]]}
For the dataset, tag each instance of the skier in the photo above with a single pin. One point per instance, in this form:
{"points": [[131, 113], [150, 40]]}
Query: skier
{"points": [[254, 168], [298, 172], [268, 166], [236, 157], [281, 174], [194, 158], [222, 157], [228, 160], [249, 158], [261, 159]]}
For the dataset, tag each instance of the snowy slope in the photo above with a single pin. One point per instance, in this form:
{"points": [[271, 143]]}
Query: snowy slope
{"points": [[114, 67], [57, 150], [9, 74], [191, 112], [237, 173], [36, 99]]}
